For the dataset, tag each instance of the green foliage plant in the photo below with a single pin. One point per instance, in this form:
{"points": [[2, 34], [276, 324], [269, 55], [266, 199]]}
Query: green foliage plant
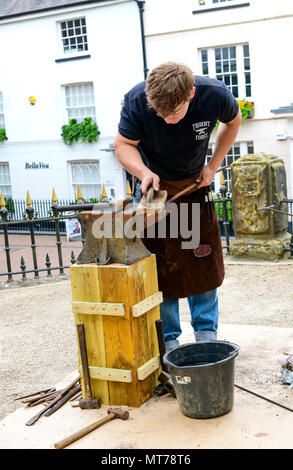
{"points": [[219, 207], [87, 131], [2, 135], [9, 204]]}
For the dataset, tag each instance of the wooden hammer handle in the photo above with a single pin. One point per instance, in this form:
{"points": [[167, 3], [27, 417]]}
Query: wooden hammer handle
{"points": [[84, 361], [77, 435]]}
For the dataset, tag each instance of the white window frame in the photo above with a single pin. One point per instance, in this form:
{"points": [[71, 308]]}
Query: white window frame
{"points": [[68, 87], [73, 192], [5, 188], [2, 120], [244, 149], [60, 38], [240, 66]]}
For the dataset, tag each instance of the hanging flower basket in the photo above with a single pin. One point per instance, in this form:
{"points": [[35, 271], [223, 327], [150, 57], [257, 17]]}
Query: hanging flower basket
{"points": [[246, 108]]}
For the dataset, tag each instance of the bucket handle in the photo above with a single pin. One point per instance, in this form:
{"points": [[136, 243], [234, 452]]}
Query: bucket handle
{"points": [[236, 350]]}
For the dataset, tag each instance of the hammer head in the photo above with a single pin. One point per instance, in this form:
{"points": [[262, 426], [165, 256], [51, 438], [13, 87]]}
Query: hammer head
{"points": [[119, 413], [92, 404]]}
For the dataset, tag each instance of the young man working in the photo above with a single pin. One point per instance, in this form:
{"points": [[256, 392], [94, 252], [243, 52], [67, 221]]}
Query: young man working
{"points": [[162, 139]]}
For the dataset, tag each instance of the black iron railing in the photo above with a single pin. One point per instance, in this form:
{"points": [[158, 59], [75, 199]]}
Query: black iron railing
{"points": [[30, 220], [45, 217]]}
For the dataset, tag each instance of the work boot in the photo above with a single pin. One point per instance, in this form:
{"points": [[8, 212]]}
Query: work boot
{"points": [[205, 335], [173, 343]]}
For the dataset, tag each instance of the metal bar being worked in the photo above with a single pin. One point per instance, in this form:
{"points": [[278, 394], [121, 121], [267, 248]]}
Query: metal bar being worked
{"points": [[264, 398]]}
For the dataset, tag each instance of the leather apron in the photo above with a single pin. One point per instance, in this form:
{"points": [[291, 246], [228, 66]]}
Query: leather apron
{"points": [[186, 272]]}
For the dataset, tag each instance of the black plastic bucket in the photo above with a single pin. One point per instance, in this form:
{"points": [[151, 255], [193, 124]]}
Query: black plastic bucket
{"points": [[203, 377]]}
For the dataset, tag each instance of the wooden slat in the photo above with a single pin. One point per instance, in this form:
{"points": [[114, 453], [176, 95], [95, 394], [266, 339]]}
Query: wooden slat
{"points": [[114, 342], [147, 304], [148, 368], [103, 373], [118, 333], [99, 308], [142, 353], [86, 287], [151, 287]]}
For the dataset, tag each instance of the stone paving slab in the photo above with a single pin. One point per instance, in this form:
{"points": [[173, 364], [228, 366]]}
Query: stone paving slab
{"points": [[253, 422]]}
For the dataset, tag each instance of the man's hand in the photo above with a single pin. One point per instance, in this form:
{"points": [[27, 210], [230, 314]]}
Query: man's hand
{"points": [[149, 179], [205, 176]]}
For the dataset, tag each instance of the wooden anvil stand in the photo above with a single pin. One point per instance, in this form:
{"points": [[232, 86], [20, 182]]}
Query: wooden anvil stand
{"points": [[118, 305]]}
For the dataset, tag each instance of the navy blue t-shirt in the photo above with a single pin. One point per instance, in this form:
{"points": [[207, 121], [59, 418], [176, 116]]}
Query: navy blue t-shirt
{"points": [[177, 151]]}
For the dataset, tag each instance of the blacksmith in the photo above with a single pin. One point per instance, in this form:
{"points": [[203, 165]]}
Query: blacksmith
{"points": [[163, 136]]}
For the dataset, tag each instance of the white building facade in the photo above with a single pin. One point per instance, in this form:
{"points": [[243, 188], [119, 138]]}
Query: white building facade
{"points": [[78, 61], [246, 43]]}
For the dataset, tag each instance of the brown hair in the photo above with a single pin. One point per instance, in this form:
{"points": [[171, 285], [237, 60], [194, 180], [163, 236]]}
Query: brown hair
{"points": [[167, 86]]}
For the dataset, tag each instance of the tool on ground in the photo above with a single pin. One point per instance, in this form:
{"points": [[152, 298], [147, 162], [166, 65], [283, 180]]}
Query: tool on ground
{"points": [[52, 389], [46, 398], [161, 342], [164, 378], [166, 381], [74, 403], [112, 413], [63, 400], [88, 402], [38, 397], [264, 398], [35, 418], [76, 397]]}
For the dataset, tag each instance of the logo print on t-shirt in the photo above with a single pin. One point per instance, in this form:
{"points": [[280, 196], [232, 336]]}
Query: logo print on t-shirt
{"points": [[201, 129]]}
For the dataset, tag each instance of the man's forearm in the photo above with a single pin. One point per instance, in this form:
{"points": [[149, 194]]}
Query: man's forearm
{"points": [[130, 159], [224, 140]]}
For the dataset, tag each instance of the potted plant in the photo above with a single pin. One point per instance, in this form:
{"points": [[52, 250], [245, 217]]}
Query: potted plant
{"points": [[246, 108], [87, 131], [3, 135]]}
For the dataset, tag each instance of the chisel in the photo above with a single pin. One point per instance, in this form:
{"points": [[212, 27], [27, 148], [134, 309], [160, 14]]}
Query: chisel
{"points": [[60, 395]]}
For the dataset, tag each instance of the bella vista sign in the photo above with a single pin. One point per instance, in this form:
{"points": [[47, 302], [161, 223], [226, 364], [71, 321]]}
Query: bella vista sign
{"points": [[35, 165]]}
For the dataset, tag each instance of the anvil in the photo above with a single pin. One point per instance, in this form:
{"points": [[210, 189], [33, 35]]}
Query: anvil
{"points": [[112, 232]]}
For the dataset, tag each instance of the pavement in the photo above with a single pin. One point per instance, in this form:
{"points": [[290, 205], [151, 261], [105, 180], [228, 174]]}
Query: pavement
{"points": [[253, 423]]}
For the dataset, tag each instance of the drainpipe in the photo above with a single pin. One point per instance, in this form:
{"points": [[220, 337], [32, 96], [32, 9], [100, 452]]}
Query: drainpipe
{"points": [[141, 10]]}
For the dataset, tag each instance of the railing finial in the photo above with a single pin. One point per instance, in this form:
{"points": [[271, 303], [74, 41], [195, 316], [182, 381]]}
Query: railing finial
{"points": [[2, 202], [79, 194], [128, 189], [54, 197], [104, 193], [28, 199]]}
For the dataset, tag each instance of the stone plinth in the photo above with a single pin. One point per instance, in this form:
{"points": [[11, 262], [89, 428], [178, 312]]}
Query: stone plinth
{"points": [[259, 180]]}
